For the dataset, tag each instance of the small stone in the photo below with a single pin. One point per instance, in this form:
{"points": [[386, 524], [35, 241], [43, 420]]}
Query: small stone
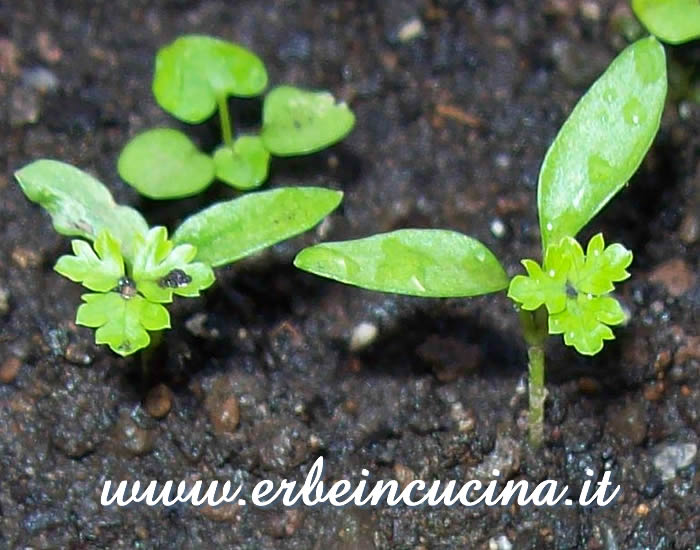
{"points": [[363, 335], [675, 276], [654, 391], [500, 543], [131, 439], [590, 10], [224, 412], [464, 418], [9, 370], [674, 457], [689, 228], [662, 361], [24, 106], [49, 51], [498, 228], [403, 474], [9, 56], [4, 300], [25, 258], [689, 350], [159, 401], [642, 510], [501, 463], [40, 79], [76, 355], [413, 28], [224, 512], [197, 325]]}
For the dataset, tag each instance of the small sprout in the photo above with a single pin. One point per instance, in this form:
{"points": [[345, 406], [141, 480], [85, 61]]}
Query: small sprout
{"points": [[128, 291], [597, 150], [673, 21], [194, 76]]}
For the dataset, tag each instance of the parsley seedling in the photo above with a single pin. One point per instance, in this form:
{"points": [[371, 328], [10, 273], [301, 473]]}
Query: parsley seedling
{"points": [[673, 21], [133, 270], [194, 76], [597, 150]]}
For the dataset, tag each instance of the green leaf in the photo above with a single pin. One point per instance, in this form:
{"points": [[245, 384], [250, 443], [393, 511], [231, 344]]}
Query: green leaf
{"points": [[584, 322], [603, 141], [194, 71], [418, 262], [673, 21], [165, 164], [297, 122], [122, 323], [539, 288], [79, 204], [602, 267], [243, 165], [101, 271], [228, 231], [161, 269]]}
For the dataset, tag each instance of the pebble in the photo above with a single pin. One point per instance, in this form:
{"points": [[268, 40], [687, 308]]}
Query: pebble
{"points": [[363, 335], [675, 276], [9, 56], [24, 106], [40, 79], [500, 543], [411, 29], [498, 228], [403, 474], [76, 355], [224, 512], [689, 228], [502, 462], [674, 457], [159, 401], [224, 412], [25, 257], [4, 300], [131, 439], [9, 370]]}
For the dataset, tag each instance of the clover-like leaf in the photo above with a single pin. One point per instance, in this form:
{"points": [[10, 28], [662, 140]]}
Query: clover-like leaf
{"points": [[243, 165], [603, 267], [164, 164], [79, 204], [417, 262], [122, 322], [673, 21], [161, 269], [584, 322], [603, 141], [298, 122], [194, 72], [99, 271]]}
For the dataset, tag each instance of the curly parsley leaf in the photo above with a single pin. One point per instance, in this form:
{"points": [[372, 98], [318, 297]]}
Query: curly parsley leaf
{"points": [[574, 287], [122, 322], [162, 269], [98, 270]]}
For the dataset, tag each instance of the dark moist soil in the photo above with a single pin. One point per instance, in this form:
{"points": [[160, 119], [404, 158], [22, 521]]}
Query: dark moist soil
{"points": [[456, 103]]}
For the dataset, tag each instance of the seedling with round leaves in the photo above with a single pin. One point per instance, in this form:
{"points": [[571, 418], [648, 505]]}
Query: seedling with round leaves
{"points": [[597, 150], [132, 270], [194, 77], [672, 21]]}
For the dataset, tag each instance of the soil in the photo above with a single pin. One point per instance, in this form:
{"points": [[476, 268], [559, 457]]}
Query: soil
{"points": [[456, 103]]}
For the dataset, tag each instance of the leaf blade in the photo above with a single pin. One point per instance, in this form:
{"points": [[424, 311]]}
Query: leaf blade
{"points": [[79, 204], [673, 21], [417, 262], [603, 141], [230, 230]]}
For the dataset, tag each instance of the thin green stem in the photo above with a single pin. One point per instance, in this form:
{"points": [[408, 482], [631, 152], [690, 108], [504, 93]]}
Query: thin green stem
{"points": [[225, 120], [535, 332]]}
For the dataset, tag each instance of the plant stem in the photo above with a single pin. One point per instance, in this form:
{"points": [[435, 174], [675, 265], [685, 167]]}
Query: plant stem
{"points": [[535, 331], [225, 120]]}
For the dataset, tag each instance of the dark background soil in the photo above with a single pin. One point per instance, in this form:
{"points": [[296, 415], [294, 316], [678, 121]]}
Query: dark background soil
{"points": [[452, 124]]}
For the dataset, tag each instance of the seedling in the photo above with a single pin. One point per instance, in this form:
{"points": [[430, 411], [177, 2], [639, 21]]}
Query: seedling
{"points": [[133, 270], [673, 21], [596, 151], [194, 76]]}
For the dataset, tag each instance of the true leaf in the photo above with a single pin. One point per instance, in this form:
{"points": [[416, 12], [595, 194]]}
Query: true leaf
{"points": [[122, 323], [161, 269], [603, 141], [673, 21], [584, 322], [164, 164], [228, 231], [100, 272], [418, 262], [539, 288], [194, 71], [79, 204], [244, 165], [296, 122], [603, 266]]}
